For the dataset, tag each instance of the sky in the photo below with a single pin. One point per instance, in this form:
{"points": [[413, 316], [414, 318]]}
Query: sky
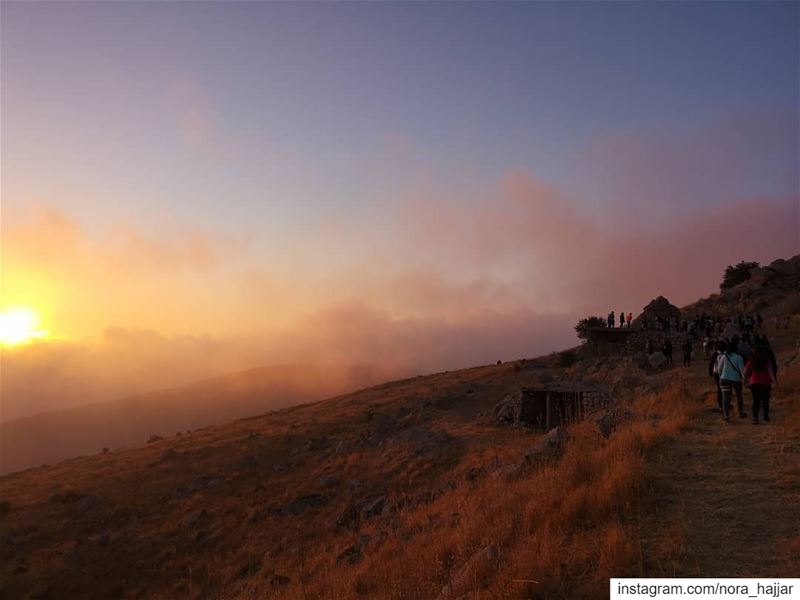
{"points": [[192, 188]]}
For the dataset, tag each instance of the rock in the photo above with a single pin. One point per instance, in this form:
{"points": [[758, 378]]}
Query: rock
{"points": [[372, 507], [472, 575], [404, 411], [90, 503], [606, 424], [154, 438], [384, 424], [168, 454], [656, 360], [277, 580], [549, 446], [350, 556], [199, 482], [474, 473], [660, 307], [196, 519], [328, 480], [379, 538], [347, 519], [248, 461], [304, 503]]}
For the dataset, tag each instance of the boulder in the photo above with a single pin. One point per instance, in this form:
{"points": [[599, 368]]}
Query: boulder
{"points": [[550, 445], [347, 519], [471, 576], [372, 507], [277, 580], [329, 480], [661, 307], [656, 360], [304, 503], [606, 423], [350, 556]]}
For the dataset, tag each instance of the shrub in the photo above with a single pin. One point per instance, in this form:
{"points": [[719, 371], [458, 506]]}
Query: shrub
{"points": [[734, 275], [582, 328]]}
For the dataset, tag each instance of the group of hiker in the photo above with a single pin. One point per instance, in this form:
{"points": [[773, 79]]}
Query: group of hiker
{"points": [[624, 320], [738, 362], [739, 355], [704, 324]]}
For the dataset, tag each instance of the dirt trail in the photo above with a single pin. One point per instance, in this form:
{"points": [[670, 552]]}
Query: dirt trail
{"points": [[728, 497]]}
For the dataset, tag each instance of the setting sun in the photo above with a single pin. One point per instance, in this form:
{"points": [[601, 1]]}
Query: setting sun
{"points": [[19, 326]]}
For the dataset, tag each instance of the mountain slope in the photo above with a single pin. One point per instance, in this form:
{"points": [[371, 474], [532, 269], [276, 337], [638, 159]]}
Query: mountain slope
{"points": [[56, 435]]}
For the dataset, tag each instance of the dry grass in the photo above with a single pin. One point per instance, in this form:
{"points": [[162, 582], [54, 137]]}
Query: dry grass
{"points": [[560, 531]]}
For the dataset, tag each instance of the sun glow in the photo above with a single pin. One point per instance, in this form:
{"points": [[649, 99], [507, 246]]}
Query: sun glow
{"points": [[20, 326]]}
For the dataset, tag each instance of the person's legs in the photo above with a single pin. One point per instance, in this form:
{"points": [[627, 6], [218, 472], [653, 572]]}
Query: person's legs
{"points": [[737, 386], [756, 393], [765, 401], [725, 387], [719, 391]]}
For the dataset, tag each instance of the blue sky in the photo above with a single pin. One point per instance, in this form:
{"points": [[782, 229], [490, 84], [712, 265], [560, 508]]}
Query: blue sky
{"points": [[303, 101]]}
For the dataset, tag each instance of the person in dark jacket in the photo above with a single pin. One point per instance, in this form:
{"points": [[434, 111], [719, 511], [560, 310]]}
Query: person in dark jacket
{"points": [[687, 352], [714, 347], [770, 356], [668, 351], [758, 374]]}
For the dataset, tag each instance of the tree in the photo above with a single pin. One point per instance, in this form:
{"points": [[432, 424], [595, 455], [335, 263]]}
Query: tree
{"points": [[734, 275], [582, 328]]}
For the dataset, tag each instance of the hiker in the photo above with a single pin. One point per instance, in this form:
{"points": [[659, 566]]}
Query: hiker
{"points": [[622, 319], [770, 356], [759, 375], [730, 367], [745, 348], [668, 351], [712, 371], [611, 320], [629, 318], [687, 352]]}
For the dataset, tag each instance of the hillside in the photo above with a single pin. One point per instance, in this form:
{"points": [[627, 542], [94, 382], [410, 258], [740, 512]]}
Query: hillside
{"points": [[56, 435], [412, 489]]}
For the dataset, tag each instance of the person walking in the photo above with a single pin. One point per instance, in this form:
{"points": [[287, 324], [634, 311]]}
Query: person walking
{"points": [[622, 319], [668, 351], [629, 318], [687, 352], [730, 367], [611, 320], [759, 375]]}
